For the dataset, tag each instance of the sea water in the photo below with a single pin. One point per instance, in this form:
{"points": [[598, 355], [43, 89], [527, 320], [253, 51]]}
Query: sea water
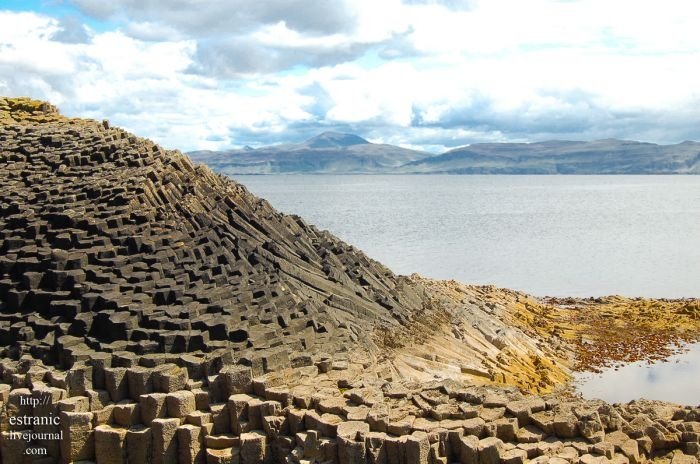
{"points": [[675, 379], [545, 235]]}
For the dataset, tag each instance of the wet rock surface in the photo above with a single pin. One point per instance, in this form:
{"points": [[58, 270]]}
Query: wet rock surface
{"points": [[161, 313]]}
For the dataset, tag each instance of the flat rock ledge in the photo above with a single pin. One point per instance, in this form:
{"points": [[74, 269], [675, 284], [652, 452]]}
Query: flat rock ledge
{"points": [[340, 409]]}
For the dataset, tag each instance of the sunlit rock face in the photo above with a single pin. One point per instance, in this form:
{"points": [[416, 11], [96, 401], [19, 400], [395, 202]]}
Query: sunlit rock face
{"points": [[153, 311]]}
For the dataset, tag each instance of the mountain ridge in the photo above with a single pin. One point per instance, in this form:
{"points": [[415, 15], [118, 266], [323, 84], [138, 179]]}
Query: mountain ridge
{"points": [[335, 139], [327, 153], [340, 153]]}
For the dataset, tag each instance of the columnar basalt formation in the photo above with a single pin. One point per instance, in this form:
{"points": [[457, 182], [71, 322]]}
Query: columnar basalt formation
{"points": [[116, 245], [152, 311]]}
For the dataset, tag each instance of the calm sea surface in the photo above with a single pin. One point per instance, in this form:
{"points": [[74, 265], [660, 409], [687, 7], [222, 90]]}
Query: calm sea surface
{"points": [[546, 235], [675, 379]]}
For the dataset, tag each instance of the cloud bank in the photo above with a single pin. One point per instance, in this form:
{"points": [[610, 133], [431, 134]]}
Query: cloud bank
{"points": [[424, 74]]}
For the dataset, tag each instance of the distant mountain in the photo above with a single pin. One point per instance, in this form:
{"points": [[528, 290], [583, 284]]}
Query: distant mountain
{"points": [[335, 140], [608, 156], [326, 153], [337, 153]]}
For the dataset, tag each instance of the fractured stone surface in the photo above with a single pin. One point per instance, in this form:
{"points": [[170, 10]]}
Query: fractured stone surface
{"points": [[170, 316]]}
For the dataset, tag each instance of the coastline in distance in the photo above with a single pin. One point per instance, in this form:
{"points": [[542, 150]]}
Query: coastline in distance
{"points": [[337, 153]]}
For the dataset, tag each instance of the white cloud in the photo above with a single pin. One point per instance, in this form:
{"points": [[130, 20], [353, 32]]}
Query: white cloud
{"points": [[462, 72], [25, 26], [128, 58], [138, 84]]}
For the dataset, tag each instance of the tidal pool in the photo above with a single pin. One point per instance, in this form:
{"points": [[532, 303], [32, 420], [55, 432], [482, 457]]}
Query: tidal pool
{"points": [[676, 379]]}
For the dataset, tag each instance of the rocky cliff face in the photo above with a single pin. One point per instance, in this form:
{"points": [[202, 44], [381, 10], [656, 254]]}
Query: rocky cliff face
{"points": [[114, 244], [153, 311]]}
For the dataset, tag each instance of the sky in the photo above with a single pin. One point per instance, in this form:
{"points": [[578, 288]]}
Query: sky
{"points": [[424, 74]]}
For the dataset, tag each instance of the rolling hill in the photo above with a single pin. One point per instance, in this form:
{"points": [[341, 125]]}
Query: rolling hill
{"points": [[326, 153], [336, 153], [608, 156]]}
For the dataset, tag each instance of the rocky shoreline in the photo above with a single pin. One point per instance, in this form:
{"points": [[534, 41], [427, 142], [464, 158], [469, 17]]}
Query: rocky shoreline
{"points": [[349, 413], [152, 311]]}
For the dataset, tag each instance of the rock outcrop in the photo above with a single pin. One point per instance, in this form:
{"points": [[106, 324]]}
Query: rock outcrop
{"points": [[113, 244], [153, 311]]}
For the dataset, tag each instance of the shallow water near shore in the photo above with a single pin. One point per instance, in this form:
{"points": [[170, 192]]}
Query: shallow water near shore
{"points": [[676, 379], [545, 235]]}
